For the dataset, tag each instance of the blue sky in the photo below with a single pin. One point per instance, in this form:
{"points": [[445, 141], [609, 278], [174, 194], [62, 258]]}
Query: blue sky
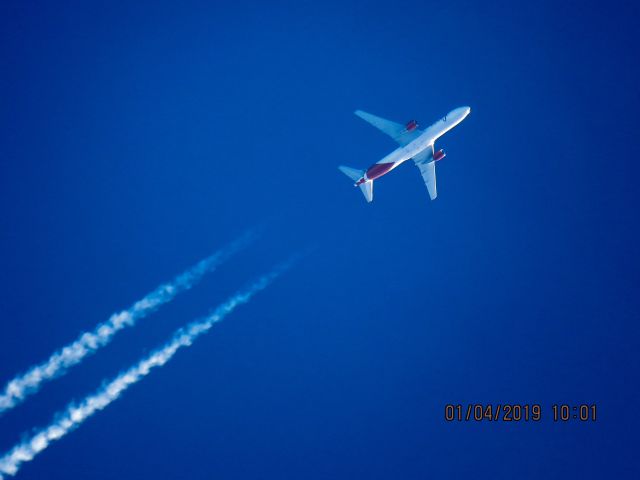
{"points": [[137, 139]]}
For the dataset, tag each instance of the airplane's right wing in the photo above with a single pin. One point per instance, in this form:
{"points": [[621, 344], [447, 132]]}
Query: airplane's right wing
{"points": [[428, 171], [400, 133], [427, 166]]}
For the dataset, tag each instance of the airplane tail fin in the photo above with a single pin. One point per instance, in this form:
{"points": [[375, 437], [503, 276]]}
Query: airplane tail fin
{"points": [[354, 174]]}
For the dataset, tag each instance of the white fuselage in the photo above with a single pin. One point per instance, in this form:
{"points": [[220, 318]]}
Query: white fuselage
{"points": [[424, 141]]}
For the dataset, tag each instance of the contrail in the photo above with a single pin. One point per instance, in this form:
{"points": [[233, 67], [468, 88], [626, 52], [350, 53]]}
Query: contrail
{"points": [[76, 414], [28, 383]]}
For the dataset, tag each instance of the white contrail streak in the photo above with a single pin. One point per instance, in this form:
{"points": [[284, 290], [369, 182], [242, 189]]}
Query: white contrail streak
{"points": [[76, 414], [28, 383]]}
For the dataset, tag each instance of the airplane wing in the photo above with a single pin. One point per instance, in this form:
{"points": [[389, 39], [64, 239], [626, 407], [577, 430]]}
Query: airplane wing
{"points": [[424, 161], [400, 133]]}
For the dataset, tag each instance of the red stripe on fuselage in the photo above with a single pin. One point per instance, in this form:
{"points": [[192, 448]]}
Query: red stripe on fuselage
{"points": [[379, 169]]}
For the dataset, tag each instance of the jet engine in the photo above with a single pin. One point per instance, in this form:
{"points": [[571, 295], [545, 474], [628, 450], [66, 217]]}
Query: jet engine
{"points": [[439, 155], [411, 125]]}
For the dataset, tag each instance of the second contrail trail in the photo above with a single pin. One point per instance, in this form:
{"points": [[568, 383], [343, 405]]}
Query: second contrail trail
{"points": [[76, 414], [29, 382]]}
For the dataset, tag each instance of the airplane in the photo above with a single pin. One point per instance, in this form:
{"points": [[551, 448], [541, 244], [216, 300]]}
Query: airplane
{"points": [[415, 144]]}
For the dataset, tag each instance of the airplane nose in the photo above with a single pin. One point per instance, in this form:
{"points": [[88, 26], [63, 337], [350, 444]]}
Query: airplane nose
{"points": [[460, 112]]}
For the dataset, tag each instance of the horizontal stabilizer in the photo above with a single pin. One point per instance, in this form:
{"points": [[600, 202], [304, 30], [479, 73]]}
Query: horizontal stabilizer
{"points": [[367, 190], [353, 173], [356, 175]]}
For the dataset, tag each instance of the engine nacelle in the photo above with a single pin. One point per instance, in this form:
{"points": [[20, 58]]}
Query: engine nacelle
{"points": [[411, 125], [439, 155]]}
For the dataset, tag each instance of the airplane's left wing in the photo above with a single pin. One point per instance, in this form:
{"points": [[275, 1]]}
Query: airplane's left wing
{"points": [[403, 134], [427, 166]]}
